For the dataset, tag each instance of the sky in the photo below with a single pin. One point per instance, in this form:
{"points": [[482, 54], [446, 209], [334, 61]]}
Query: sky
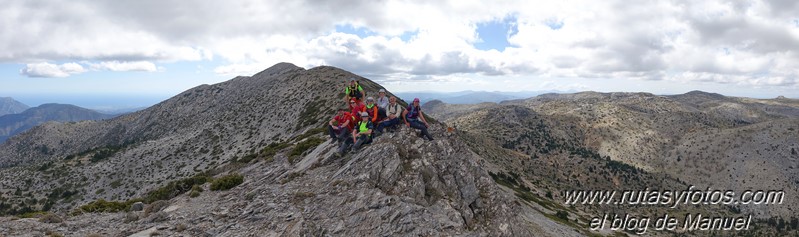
{"points": [[144, 49]]}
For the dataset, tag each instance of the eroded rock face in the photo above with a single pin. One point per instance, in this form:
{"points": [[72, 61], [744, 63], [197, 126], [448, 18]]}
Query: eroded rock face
{"points": [[400, 185]]}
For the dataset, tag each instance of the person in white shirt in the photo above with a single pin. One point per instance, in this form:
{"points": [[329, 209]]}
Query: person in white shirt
{"points": [[382, 100], [393, 114]]}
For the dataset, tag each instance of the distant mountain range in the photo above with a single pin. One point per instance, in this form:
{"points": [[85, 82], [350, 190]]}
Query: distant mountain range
{"points": [[10, 106], [470, 97], [12, 124]]}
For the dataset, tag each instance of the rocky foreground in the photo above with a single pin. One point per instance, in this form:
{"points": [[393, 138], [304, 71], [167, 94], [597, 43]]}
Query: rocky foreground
{"points": [[400, 185]]}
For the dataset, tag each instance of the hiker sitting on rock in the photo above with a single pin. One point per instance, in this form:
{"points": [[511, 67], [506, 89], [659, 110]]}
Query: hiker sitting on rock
{"points": [[340, 126], [414, 118], [382, 103], [354, 91], [356, 107], [372, 110], [393, 113], [382, 100], [361, 134]]}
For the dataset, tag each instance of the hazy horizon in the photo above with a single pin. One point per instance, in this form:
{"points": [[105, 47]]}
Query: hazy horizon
{"points": [[127, 102]]}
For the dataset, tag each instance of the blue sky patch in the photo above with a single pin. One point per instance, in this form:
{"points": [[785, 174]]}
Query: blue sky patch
{"points": [[361, 32], [554, 23], [494, 34], [407, 35]]}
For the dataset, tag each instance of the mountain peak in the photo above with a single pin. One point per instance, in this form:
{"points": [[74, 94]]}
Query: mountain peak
{"points": [[703, 93], [12, 124], [10, 106], [277, 69]]}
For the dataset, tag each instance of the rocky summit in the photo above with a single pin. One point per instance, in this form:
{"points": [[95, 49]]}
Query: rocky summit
{"points": [[250, 157]]}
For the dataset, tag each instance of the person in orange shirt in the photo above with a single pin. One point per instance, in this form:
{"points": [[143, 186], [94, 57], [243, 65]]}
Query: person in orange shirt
{"points": [[373, 110]]}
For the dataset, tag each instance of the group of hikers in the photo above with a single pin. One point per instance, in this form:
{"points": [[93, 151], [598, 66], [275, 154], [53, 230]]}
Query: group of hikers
{"points": [[358, 122]]}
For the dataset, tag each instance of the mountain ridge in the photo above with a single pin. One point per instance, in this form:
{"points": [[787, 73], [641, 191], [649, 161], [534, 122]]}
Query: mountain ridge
{"points": [[703, 139], [12, 124], [268, 127]]}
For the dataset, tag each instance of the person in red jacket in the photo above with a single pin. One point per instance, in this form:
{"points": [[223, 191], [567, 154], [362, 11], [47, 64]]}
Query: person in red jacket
{"points": [[356, 107], [341, 125]]}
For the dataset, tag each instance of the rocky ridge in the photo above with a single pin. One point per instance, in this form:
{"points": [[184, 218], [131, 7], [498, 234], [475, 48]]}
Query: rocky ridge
{"points": [[267, 128]]}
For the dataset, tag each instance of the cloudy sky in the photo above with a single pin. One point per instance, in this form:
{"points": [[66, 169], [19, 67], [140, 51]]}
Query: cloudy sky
{"points": [[149, 47]]}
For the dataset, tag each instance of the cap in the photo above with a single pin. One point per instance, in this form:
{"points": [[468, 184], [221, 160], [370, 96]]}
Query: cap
{"points": [[382, 90], [364, 114], [415, 99], [370, 98]]}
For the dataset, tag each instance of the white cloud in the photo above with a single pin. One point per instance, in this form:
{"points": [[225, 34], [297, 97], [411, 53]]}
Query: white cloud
{"points": [[752, 43], [117, 66], [67, 69], [51, 70]]}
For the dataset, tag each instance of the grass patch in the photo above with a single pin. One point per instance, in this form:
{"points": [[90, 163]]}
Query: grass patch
{"points": [[195, 191], [618, 166], [272, 149], [175, 188], [511, 180], [309, 133], [37, 214], [98, 154], [108, 206], [309, 114], [50, 218], [247, 158], [116, 183], [227, 182], [304, 146]]}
